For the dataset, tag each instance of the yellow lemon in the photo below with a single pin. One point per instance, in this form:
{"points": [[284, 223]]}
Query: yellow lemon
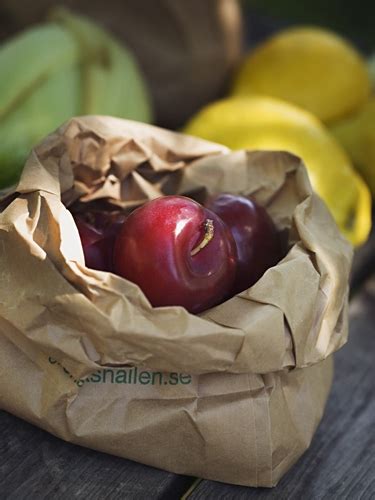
{"points": [[371, 69], [357, 135], [260, 122], [310, 67]]}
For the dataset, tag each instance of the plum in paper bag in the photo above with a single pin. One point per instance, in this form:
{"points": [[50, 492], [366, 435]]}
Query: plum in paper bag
{"points": [[258, 366], [178, 252]]}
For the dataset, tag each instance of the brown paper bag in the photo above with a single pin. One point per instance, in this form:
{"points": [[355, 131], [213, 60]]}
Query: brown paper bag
{"points": [[233, 394]]}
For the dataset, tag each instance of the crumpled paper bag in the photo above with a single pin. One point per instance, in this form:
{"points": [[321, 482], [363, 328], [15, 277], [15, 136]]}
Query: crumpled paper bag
{"points": [[233, 394]]}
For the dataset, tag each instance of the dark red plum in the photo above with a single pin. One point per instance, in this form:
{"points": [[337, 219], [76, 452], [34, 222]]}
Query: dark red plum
{"points": [[257, 240], [178, 253]]}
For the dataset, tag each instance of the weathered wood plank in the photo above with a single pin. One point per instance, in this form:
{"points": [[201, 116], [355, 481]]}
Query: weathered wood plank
{"points": [[341, 461], [36, 465], [363, 263]]}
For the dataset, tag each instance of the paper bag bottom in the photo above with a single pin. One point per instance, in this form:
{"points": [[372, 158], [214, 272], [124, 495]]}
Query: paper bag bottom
{"points": [[243, 429]]}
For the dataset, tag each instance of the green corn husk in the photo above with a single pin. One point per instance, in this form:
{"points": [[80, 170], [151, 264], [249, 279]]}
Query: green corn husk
{"points": [[109, 72], [29, 59], [51, 103], [53, 72]]}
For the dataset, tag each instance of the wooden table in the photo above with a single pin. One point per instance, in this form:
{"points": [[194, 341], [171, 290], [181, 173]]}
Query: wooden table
{"points": [[340, 463]]}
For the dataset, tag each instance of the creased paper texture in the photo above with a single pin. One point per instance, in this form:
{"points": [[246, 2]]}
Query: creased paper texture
{"points": [[233, 394]]}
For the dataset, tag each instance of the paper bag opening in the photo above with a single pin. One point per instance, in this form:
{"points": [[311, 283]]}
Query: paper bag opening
{"points": [[260, 350]]}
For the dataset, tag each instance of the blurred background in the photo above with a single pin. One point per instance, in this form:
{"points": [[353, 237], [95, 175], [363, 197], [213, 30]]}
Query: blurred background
{"points": [[347, 18], [256, 74]]}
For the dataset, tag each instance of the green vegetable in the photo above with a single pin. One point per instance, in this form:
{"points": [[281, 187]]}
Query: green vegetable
{"points": [[50, 73]]}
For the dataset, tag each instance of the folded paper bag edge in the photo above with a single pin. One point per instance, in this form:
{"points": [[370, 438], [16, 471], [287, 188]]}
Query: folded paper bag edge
{"points": [[274, 161], [141, 426]]}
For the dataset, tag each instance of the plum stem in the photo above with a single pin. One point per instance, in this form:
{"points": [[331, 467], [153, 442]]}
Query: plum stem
{"points": [[208, 235]]}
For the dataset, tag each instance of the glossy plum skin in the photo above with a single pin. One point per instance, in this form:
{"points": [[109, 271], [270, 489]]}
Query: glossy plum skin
{"points": [[257, 240], [98, 232], [153, 249]]}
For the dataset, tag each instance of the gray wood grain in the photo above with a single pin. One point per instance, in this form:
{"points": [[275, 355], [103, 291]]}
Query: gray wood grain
{"points": [[340, 463], [35, 466], [363, 263]]}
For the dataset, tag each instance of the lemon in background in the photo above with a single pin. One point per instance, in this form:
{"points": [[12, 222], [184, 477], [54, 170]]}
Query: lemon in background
{"points": [[371, 70], [311, 67], [266, 123], [357, 135]]}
